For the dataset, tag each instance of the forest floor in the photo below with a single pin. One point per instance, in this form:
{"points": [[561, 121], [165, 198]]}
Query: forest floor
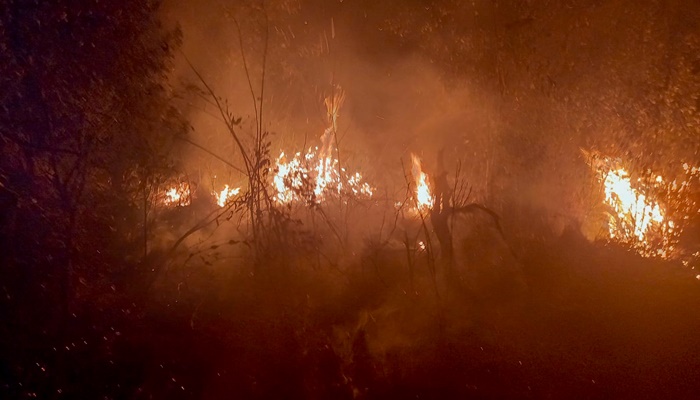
{"points": [[596, 322]]}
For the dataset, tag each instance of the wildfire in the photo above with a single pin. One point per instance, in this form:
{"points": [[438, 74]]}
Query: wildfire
{"points": [[424, 199], [638, 218], [313, 177], [177, 195], [638, 213], [317, 174], [225, 195], [309, 177]]}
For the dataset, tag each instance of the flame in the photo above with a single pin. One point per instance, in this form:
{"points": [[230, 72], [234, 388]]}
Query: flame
{"points": [[317, 174], [225, 195], [637, 217], [313, 177], [177, 195], [424, 199], [630, 206]]}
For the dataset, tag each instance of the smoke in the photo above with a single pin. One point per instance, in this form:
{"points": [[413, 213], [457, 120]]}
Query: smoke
{"points": [[397, 100], [510, 132], [502, 94]]}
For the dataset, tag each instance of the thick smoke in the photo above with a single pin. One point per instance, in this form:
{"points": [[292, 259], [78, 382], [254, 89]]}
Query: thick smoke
{"points": [[506, 95], [397, 100]]}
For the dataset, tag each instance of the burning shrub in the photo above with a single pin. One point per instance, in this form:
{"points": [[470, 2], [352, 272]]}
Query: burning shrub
{"points": [[318, 174], [646, 211]]}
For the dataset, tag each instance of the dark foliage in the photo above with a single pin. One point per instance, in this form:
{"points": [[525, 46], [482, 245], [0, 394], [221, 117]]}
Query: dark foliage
{"points": [[85, 122]]}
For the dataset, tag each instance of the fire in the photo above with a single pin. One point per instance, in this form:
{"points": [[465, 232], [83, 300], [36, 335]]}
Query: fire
{"points": [[313, 177], [310, 177], [638, 217], [177, 195], [317, 174], [424, 199], [333, 104], [638, 212], [225, 195]]}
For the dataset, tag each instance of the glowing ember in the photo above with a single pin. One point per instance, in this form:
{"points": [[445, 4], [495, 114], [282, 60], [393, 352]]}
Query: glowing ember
{"points": [[315, 175], [177, 196], [423, 197], [225, 195]]}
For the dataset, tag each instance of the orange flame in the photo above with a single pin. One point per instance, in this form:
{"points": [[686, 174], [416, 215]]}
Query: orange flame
{"points": [[637, 218], [424, 199], [225, 195], [316, 174], [177, 195], [629, 204]]}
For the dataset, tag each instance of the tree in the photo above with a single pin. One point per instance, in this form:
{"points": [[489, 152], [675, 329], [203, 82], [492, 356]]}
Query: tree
{"points": [[86, 120], [616, 76]]}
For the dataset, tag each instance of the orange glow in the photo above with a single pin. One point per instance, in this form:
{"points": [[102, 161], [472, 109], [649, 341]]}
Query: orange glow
{"points": [[314, 176], [176, 195], [629, 204], [424, 199], [225, 195], [637, 215]]}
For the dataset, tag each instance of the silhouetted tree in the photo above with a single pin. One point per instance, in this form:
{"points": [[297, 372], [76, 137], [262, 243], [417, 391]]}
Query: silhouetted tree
{"points": [[85, 121]]}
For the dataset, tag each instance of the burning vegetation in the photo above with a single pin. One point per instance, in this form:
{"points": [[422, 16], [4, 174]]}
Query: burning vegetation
{"points": [[316, 175], [225, 195], [423, 197], [309, 178], [177, 196], [165, 233], [647, 213]]}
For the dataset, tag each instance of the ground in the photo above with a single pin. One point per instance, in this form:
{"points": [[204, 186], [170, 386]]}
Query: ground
{"points": [[596, 322]]}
